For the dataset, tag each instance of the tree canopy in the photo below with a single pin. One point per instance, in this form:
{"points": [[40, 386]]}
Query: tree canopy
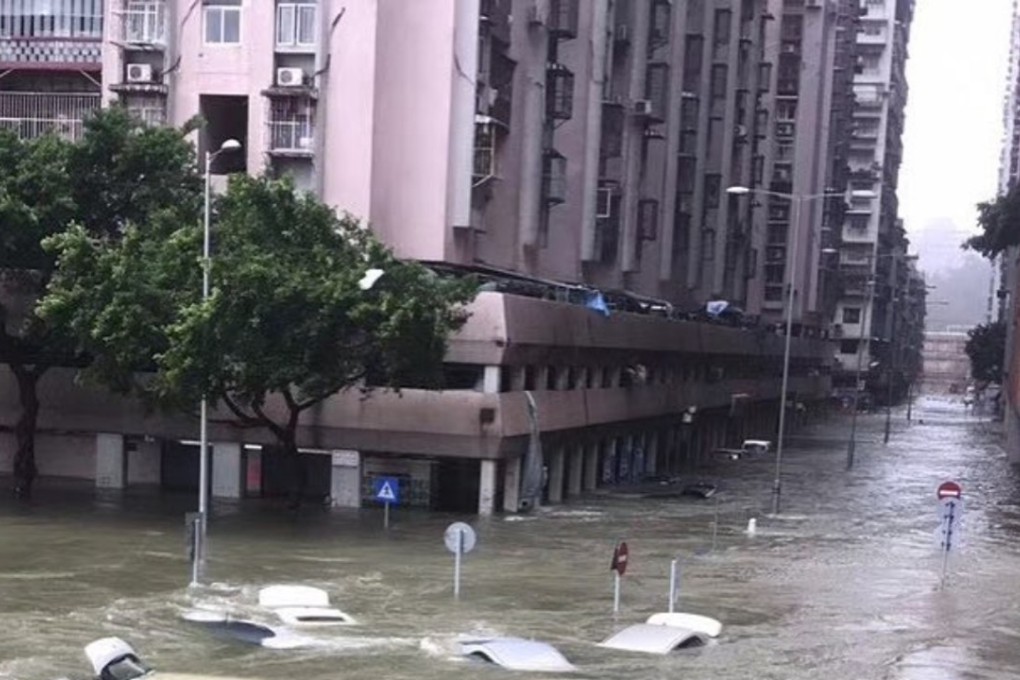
{"points": [[291, 318], [999, 220], [986, 347], [120, 172]]}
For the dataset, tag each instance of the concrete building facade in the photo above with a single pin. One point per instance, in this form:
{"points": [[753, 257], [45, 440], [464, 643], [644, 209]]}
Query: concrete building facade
{"points": [[555, 146], [873, 259]]}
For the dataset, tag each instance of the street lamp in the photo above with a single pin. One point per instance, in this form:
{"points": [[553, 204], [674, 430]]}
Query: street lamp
{"points": [[203, 454], [796, 200]]}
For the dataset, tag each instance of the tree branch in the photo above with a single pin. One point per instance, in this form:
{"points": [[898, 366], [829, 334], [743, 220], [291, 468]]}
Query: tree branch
{"points": [[246, 419]]}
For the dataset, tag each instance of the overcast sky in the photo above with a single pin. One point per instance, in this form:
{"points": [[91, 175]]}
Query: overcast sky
{"points": [[959, 52]]}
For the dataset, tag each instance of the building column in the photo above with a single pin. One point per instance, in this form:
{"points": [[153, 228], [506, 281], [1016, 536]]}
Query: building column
{"points": [[144, 465], [512, 485], [491, 378], [591, 467], [556, 465], [487, 488], [227, 478], [345, 479], [652, 452], [111, 468], [576, 471]]}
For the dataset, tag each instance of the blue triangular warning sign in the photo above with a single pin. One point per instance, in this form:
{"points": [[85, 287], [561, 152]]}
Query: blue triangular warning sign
{"points": [[385, 493]]}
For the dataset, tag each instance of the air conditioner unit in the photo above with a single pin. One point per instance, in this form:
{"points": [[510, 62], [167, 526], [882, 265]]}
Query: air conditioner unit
{"points": [[139, 73], [740, 131], [305, 142], [643, 107], [290, 77]]}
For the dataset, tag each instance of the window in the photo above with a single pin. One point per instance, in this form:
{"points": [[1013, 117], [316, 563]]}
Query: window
{"points": [[295, 23], [719, 81], [848, 346], [722, 26], [713, 188], [222, 22], [851, 315]]}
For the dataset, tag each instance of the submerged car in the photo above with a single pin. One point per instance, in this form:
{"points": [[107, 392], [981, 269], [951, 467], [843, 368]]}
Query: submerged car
{"points": [[302, 606], [516, 654], [665, 633]]}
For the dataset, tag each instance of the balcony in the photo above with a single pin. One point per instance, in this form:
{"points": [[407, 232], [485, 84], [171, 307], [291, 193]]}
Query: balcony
{"points": [[56, 41], [292, 138], [144, 25], [34, 114]]}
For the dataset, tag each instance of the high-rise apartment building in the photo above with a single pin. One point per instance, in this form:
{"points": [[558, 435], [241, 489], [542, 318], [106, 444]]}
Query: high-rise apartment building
{"points": [[50, 63], [1009, 305], [555, 146], [873, 256]]}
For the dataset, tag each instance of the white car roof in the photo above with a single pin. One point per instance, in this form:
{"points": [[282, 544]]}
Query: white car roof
{"points": [[653, 639], [293, 596], [518, 654], [705, 625]]}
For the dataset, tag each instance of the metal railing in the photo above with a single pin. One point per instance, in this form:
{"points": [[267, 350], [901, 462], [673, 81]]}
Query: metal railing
{"points": [[291, 135], [34, 114]]}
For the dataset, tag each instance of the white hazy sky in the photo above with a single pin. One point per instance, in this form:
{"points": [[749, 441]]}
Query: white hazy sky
{"points": [[959, 52]]}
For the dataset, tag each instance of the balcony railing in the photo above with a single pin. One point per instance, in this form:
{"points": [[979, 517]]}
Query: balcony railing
{"points": [[34, 114], [291, 136], [71, 36]]}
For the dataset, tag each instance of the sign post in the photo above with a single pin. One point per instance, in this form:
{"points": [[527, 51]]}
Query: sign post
{"points": [[674, 583], [387, 490], [193, 530], [460, 539], [619, 568], [950, 496]]}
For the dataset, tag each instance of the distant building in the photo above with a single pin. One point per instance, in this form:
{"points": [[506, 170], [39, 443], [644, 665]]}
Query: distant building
{"points": [[946, 366]]}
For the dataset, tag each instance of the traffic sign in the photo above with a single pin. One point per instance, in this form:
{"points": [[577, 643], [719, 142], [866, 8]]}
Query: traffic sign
{"points": [[387, 490], [949, 490], [620, 555], [460, 538]]}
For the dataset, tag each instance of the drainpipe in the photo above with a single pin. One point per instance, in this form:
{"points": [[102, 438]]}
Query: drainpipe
{"points": [[633, 140], [462, 113], [529, 201], [592, 150], [673, 133]]}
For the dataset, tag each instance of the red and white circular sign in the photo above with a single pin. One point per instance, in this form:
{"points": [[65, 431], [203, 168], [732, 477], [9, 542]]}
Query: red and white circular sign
{"points": [[620, 555], [949, 490]]}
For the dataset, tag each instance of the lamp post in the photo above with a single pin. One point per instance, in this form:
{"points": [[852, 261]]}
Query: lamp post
{"points": [[203, 454], [851, 446], [796, 200]]}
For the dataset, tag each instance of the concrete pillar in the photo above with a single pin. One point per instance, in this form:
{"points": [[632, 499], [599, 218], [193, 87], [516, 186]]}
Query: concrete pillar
{"points": [[345, 479], [111, 464], [227, 477], [487, 488], [517, 378], [491, 379], [591, 467], [556, 467], [145, 463], [576, 470], [596, 373], [542, 377], [563, 377], [652, 452], [512, 485]]}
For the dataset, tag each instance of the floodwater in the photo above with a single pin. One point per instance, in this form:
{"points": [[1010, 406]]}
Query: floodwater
{"points": [[843, 584]]}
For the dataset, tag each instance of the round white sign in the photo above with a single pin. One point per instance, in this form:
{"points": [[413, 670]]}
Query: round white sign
{"points": [[460, 537]]}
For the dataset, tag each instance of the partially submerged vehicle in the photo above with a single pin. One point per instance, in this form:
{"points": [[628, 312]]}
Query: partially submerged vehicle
{"points": [[516, 654], [665, 633], [751, 448], [224, 626], [701, 490], [302, 606], [114, 659]]}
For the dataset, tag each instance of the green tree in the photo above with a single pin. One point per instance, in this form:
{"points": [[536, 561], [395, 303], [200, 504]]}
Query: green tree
{"points": [[290, 320], [121, 172], [999, 220], [986, 347]]}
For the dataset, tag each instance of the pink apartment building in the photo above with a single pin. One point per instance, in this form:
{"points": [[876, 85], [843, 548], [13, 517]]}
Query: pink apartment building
{"points": [[550, 145]]}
